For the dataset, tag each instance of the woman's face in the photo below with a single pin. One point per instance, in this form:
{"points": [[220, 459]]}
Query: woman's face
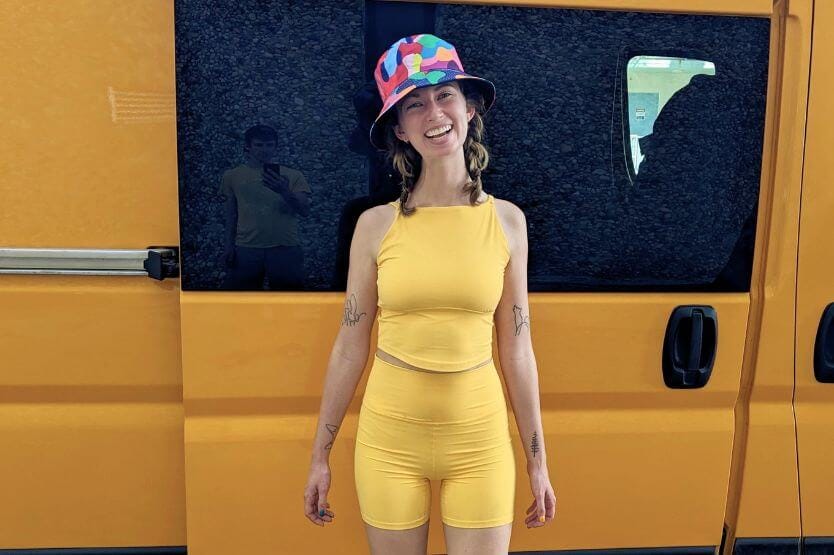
{"points": [[427, 110]]}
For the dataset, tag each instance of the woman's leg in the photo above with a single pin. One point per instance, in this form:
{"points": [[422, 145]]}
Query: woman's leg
{"points": [[413, 541], [476, 463], [392, 462]]}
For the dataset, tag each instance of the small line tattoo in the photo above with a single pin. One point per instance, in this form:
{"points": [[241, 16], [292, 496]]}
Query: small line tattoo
{"points": [[351, 315], [534, 444], [332, 429], [520, 319]]}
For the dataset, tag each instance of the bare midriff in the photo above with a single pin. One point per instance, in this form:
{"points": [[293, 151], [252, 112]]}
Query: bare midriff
{"points": [[391, 359]]}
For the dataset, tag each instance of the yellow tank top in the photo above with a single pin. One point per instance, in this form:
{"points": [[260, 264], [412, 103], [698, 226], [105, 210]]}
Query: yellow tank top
{"points": [[440, 278]]}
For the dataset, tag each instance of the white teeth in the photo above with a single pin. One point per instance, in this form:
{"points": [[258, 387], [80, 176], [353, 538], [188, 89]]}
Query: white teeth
{"points": [[437, 131]]}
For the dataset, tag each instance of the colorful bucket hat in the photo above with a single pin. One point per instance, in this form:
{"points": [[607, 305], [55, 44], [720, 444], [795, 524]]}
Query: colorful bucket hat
{"points": [[414, 62]]}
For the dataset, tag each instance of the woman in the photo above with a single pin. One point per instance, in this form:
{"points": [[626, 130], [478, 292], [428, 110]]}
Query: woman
{"points": [[444, 263]]}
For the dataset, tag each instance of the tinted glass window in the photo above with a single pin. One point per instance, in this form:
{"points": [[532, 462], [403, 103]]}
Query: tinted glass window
{"points": [[652, 81], [634, 175]]}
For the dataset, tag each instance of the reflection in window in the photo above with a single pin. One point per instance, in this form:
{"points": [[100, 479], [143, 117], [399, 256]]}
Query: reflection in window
{"points": [[569, 107], [652, 81]]}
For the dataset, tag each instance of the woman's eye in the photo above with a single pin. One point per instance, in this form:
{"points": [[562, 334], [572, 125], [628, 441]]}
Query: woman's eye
{"points": [[416, 103]]}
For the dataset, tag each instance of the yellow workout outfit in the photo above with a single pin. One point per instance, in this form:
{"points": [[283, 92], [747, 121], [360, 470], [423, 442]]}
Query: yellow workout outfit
{"points": [[440, 278]]}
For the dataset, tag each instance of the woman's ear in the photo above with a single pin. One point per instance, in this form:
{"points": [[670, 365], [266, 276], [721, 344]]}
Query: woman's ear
{"points": [[399, 132]]}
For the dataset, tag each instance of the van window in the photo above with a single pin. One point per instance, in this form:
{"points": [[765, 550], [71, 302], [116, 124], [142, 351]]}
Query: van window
{"points": [[652, 81], [631, 141]]}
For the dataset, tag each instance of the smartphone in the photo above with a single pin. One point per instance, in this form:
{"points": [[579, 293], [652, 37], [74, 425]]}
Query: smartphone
{"points": [[276, 169]]}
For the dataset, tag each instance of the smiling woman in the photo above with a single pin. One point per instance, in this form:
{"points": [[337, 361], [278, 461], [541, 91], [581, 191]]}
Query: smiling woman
{"points": [[433, 379], [431, 123]]}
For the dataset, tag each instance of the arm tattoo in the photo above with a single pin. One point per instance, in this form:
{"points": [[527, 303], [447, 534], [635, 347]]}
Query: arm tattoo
{"points": [[534, 444], [332, 429], [520, 319], [351, 315]]}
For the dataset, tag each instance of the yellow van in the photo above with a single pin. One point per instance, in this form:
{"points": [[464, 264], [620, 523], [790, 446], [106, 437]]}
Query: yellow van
{"points": [[672, 160]]}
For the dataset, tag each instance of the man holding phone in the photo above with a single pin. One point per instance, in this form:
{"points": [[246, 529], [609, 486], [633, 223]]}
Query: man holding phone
{"points": [[263, 203]]}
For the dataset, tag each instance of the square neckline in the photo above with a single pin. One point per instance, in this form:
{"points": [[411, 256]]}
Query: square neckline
{"points": [[489, 199]]}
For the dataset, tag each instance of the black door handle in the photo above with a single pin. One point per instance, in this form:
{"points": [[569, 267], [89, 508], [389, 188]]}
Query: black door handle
{"points": [[824, 347], [689, 347]]}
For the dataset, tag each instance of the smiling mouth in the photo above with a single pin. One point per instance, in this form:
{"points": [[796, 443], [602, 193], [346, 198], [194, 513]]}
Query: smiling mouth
{"points": [[441, 134]]}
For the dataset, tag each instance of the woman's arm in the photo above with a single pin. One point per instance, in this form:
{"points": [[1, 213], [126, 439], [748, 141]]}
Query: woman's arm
{"points": [[515, 347], [350, 350]]}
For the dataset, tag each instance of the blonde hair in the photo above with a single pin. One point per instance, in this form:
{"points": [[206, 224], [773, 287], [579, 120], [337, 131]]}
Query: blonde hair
{"points": [[408, 162]]}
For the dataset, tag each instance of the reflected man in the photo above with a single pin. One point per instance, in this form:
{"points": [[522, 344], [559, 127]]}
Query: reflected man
{"points": [[263, 203]]}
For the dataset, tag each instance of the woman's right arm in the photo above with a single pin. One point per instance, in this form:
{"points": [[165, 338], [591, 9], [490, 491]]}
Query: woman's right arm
{"points": [[350, 350], [347, 361]]}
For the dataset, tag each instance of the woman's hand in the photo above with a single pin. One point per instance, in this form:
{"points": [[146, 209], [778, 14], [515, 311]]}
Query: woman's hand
{"points": [[316, 507], [543, 508]]}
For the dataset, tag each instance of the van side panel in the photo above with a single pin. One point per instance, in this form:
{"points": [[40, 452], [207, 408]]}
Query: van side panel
{"points": [[815, 291], [90, 382], [763, 501]]}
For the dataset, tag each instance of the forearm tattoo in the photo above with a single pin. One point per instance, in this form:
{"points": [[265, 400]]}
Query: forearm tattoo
{"points": [[351, 315], [534, 444], [332, 429], [520, 319]]}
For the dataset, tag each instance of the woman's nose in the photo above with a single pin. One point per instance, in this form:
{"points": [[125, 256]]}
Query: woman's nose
{"points": [[435, 113]]}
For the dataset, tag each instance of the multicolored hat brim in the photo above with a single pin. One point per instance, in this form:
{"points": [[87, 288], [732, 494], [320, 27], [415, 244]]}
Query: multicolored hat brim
{"points": [[415, 62]]}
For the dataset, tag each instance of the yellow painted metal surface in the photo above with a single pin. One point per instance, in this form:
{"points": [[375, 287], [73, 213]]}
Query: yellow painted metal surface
{"points": [[763, 500], [91, 417], [815, 290], [90, 412], [86, 162], [616, 434], [620, 442], [91, 392]]}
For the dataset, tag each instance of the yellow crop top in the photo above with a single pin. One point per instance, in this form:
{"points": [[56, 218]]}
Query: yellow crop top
{"points": [[440, 278]]}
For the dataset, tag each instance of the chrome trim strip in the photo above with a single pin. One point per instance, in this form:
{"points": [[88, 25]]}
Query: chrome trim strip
{"points": [[88, 262]]}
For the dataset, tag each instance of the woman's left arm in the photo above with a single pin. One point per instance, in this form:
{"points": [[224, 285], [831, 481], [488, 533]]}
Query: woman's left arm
{"points": [[518, 365]]}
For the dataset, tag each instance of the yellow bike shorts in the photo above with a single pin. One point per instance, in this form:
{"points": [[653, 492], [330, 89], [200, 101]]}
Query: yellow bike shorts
{"points": [[417, 426]]}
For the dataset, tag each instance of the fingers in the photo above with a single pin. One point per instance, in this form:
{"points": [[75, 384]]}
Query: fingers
{"points": [[542, 510], [317, 511], [272, 176]]}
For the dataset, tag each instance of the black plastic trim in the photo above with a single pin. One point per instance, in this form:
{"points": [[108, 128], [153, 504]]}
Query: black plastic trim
{"points": [[823, 363], [163, 262], [766, 546], [709, 550]]}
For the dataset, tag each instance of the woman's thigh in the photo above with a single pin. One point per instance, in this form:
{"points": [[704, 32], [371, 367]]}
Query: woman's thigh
{"points": [[452, 427], [392, 454], [475, 464]]}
